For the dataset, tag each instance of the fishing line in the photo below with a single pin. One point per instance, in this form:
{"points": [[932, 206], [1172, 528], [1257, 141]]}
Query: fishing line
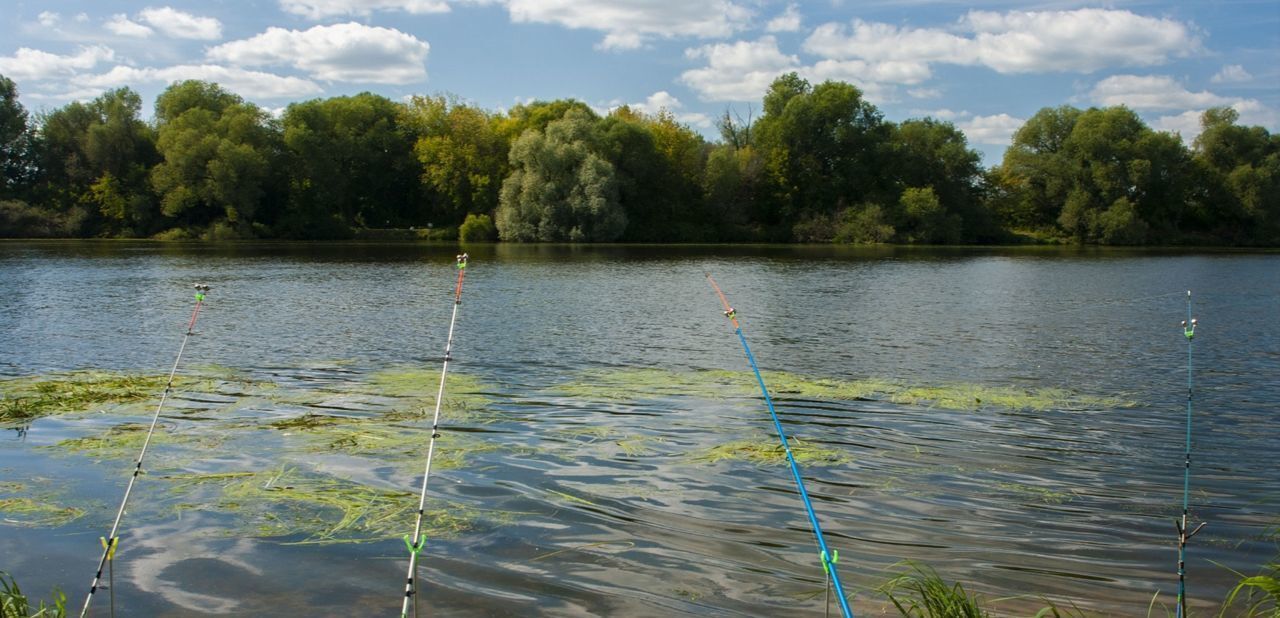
{"points": [[1189, 331], [827, 558], [112, 542], [416, 542]]}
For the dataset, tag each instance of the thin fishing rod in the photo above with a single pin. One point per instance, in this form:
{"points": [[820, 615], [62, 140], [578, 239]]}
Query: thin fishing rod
{"points": [[112, 542], [1189, 331], [419, 540], [828, 558]]}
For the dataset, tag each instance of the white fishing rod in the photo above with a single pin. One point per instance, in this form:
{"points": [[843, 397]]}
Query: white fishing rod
{"points": [[111, 542], [416, 542]]}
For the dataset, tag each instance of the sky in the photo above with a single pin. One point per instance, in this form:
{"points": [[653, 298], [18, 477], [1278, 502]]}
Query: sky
{"points": [[985, 65]]}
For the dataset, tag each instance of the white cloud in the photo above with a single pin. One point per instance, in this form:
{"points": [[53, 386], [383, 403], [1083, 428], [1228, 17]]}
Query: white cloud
{"points": [[1232, 73], [994, 130], [788, 21], [1083, 41], [82, 17], [940, 114], [348, 52], [925, 93], [862, 72], [663, 100], [180, 25], [1187, 124], [48, 19], [627, 24], [34, 64], [319, 9], [249, 84], [1151, 92], [740, 71], [121, 25], [876, 42]]}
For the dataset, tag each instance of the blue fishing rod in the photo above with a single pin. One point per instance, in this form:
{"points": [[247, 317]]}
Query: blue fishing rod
{"points": [[1189, 331], [827, 558], [418, 541], [111, 542]]}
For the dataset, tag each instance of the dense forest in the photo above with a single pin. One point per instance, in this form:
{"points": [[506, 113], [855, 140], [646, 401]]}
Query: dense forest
{"points": [[819, 164]]}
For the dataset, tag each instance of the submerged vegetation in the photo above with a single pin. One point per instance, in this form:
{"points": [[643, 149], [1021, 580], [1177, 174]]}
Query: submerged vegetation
{"points": [[768, 451], [642, 384], [27, 398], [303, 508], [37, 513]]}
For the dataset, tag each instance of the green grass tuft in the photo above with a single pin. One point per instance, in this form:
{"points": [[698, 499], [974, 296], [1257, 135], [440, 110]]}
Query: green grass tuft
{"points": [[14, 604], [920, 592]]}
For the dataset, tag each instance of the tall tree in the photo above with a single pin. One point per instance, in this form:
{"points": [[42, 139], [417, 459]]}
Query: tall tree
{"points": [[463, 154], [560, 189], [94, 161], [351, 164], [823, 146], [1241, 172], [217, 152], [935, 154], [15, 141]]}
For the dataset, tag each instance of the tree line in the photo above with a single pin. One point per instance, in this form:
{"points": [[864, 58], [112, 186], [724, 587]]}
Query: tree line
{"points": [[819, 164]]}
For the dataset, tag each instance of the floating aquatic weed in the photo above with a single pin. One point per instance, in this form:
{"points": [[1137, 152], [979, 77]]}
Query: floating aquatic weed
{"points": [[465, 398], [303, 422], [768, 451], [320, 509], [591, 432], [638, 384], [36, 513], [1035, 492], [31, 397], [633, 384], [123, 441], [638, 445], [568, 497], [35, 396], [401, 444]]}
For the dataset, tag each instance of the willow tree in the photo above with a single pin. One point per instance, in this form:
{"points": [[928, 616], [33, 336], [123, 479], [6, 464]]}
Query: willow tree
{"points": [[560, 188]]}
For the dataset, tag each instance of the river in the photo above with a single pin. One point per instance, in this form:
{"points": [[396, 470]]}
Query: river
{"points": [[1013, 418]]}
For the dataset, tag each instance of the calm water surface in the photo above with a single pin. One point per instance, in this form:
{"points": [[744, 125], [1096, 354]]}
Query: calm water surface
{"points": [[597, 502]]}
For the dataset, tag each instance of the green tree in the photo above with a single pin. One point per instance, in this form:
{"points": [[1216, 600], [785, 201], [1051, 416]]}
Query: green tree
{"points": [[477, 228], [732, 187], [560, 189], [463, 154], [15, 141], [659, 167], [823, 148], [1036, 172], [925, 220], [930, 153], [217, 153], [1240, 175], [94, 160], [350, 164]]}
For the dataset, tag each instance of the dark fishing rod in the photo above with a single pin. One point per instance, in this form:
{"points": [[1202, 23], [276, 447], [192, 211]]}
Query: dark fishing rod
{"points": [[112, 542], [1189, 331], [418, 541], [827, 558]]}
